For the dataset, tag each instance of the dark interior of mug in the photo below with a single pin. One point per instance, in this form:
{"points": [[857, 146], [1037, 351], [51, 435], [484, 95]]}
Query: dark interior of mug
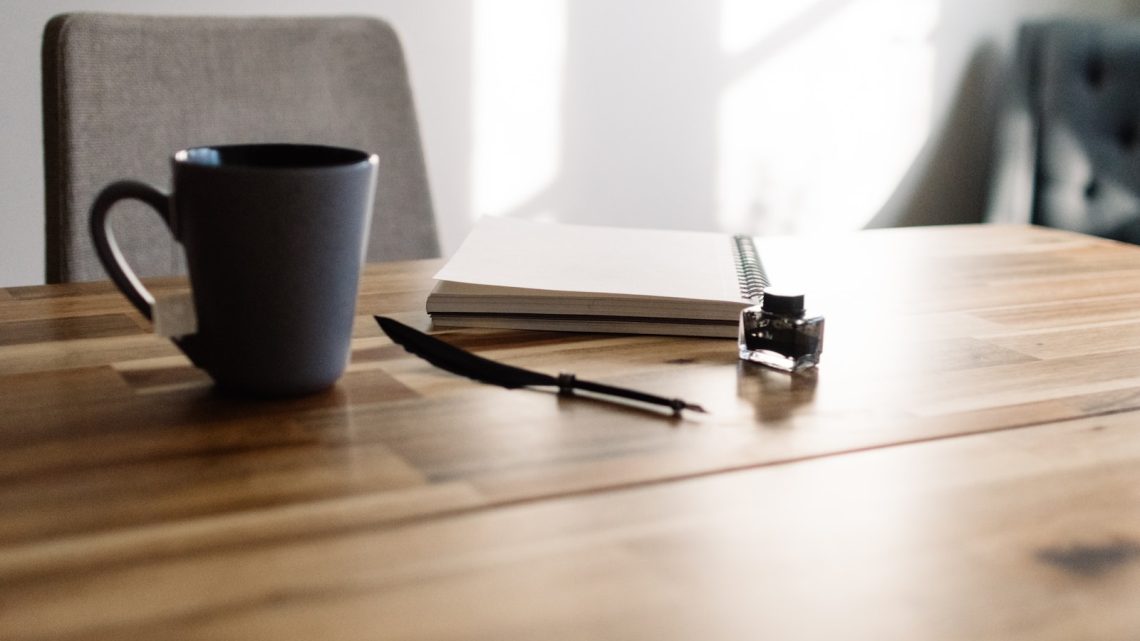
{"points": [[272, 156]]}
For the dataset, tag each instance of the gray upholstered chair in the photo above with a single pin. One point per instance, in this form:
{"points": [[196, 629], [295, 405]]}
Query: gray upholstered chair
{"points": [[122, 92], [1068, 150]]}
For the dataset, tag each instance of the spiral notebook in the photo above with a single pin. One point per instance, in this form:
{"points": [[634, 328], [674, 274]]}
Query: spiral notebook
{"points": [[518, 274]]}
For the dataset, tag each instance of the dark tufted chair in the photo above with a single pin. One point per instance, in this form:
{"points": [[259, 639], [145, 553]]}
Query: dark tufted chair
{"points": [[1068, 144]]}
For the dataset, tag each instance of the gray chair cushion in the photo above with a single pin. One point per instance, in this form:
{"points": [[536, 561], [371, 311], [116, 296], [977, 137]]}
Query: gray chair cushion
{"points": [[1077, 100], [122, 93]]}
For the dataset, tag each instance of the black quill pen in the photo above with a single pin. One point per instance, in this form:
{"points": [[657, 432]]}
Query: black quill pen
{"points": [[458, 361]]}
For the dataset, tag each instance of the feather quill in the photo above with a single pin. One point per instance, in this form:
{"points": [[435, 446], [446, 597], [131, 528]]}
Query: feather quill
{"points": [[464, 363]]}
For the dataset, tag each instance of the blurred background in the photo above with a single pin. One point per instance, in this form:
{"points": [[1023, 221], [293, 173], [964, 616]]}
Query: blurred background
{"points": [[753, 116]]}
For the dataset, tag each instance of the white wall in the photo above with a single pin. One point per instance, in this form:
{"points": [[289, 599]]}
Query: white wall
{"points": [[769, 116]]}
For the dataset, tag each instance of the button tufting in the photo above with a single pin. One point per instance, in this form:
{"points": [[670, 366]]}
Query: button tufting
{"points": [[1094, 71], [1126, 135], [1092, 189]]}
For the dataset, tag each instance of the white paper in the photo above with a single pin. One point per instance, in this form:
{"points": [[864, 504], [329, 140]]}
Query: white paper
{"points": [[509, 252]]}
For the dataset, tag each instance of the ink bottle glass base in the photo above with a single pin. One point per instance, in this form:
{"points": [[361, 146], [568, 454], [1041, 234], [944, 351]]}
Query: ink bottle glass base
{"points": [[779, 334], [778, 361]]}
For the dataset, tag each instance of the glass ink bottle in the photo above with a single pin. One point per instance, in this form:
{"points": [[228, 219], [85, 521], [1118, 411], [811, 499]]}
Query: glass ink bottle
{"points": [[779, 333]]}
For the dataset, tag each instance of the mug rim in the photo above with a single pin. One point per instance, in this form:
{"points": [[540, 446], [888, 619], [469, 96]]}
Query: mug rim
{"points": [[329, 157]]}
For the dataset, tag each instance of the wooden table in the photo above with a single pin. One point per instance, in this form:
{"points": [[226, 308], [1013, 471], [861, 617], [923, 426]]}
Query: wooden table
{"points": [[964, 465]]}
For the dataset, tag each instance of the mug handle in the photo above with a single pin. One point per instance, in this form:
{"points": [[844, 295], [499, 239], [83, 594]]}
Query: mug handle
{"points": [[108, 250]]}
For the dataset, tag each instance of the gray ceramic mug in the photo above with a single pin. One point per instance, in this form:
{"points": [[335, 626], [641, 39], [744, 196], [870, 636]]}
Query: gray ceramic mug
{"points": [[274, 236]]}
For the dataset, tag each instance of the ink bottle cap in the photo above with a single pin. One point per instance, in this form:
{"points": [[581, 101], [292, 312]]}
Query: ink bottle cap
{"points": [[783, 303]]}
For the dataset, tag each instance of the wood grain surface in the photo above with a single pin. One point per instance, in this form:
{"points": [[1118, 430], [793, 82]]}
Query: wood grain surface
{"points": [[964, 464]]}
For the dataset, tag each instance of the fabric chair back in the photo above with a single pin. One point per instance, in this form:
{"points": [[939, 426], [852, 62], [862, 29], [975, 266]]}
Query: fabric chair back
{"points": [[121, 93]]}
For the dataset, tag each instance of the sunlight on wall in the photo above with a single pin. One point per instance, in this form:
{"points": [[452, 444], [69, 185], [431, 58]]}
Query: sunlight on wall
{"points": [[745, 23], [519, 50], [816, 132]]}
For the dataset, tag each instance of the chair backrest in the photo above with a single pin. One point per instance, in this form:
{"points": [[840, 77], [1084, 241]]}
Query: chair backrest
{"points": [[1075, 158], [122, 93]]}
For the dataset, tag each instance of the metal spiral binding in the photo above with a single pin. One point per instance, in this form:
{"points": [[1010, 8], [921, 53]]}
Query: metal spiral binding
{"points": [[749, 270]]}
